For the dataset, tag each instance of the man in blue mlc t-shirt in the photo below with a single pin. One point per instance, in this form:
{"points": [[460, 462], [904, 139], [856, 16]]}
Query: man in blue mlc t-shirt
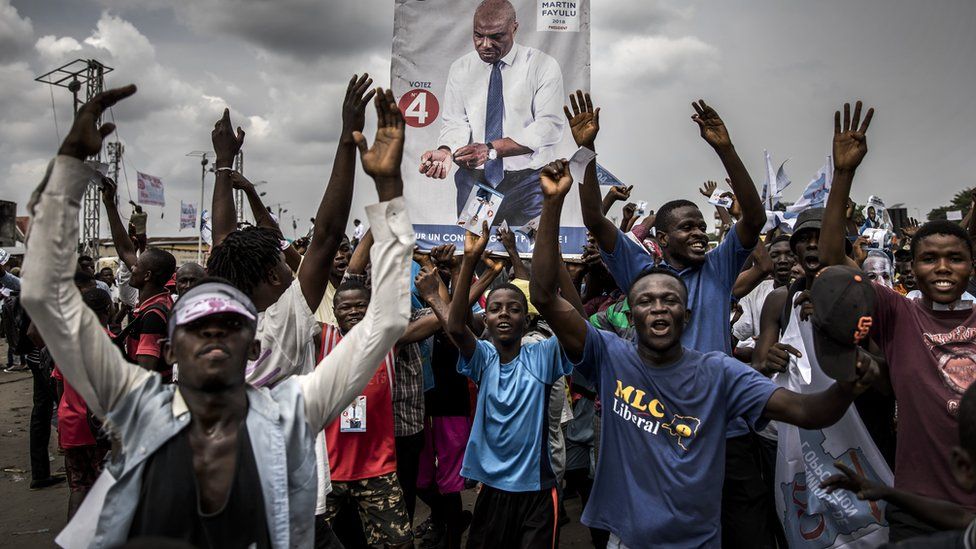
{"points": [[508, 450], [709, 278], [659, 478]]}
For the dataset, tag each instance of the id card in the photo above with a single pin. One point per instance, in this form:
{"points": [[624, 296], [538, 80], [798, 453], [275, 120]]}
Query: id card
{"points": [[353, 418]]}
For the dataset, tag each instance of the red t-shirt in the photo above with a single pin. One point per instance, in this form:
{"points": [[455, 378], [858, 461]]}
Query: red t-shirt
{"points": [[360, 455], [73, 429], [147, 340], [931, 360]]}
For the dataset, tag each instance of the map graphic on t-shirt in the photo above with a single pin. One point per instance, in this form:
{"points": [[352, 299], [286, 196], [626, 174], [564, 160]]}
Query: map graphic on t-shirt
{"points": [[683, 428], [814, 518]]}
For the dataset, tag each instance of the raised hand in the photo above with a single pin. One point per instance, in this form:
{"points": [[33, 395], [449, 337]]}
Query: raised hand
{"points": [[629, 210], [713, 130], [584, 120], [620, 193], [240, 182], [850, 143], [109, 189], [910, 228], [474, 245], [443, 256], [358, 95], [804, 300], [760, 256], [555, 179], [847, 479], [85, 139], [382, 160], [436, 164], [428, 283], [860, 249], [708, 188], [226, 143], [507, 238]]}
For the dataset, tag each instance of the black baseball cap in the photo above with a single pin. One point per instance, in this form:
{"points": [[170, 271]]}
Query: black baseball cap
{"points": [[812, 219], [843, 304]]}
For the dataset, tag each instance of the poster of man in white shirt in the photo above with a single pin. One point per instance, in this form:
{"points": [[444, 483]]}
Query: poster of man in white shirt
{"points": [[482, 87]]}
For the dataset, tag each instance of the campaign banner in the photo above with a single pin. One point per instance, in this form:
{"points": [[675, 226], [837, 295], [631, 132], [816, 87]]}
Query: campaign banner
{"points": [[188, 215], [150, 189], [811, 517], [467, 77]]}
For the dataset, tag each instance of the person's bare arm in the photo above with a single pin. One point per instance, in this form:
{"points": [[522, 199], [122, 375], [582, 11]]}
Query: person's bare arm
{"points": [[819, 410], [360, 256], [519, 269], [382, 163], [714, 132], [87, 358], [567, 289], [970, 221], [850, 146], [226, 145], [565, 320], [944, 515], [617, 193], [761, 267], [584, 123], [120, 237], [770, 356], [457, 321]]}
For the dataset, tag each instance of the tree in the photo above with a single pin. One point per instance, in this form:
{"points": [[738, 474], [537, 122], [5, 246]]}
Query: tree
{"points": [[960, 202]]}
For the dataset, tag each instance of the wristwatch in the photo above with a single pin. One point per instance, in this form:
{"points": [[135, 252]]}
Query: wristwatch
{"points": [[492, 153]]}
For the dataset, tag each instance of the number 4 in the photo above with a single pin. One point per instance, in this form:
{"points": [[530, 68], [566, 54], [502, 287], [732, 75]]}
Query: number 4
{"points": [[418, 108]]}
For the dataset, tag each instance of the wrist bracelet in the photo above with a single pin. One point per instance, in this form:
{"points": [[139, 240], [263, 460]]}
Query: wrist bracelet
{"points": [[224, 169]]}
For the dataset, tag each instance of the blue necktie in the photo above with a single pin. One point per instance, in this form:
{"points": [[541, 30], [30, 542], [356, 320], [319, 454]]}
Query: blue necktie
{"points": [[494, 169]]}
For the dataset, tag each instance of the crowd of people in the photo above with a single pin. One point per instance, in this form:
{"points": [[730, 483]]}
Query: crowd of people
{"points": [[307, 394]]}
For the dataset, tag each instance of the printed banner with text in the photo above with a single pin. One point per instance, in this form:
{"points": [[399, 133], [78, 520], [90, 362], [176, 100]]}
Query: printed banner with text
{"points": [[482, 93], [150, 189]]}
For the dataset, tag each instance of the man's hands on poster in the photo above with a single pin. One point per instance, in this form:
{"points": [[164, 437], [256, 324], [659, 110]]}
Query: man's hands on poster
{"points": [[471, 156], [584, 120], [85, 139], [436, 164]]}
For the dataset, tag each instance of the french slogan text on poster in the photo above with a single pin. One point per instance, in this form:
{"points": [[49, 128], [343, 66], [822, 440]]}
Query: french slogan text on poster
{"points": [[150, 190], [485, 109], [188, 215]]}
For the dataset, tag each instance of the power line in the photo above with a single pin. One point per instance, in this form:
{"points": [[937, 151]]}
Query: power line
{"points": [[57, 131]]}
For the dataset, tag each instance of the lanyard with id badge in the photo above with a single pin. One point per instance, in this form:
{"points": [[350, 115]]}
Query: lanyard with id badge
{"points": [[353, 418]]}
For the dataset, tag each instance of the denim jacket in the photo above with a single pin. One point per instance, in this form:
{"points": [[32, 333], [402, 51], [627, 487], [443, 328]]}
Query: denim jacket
{"points": [[282, 422]]}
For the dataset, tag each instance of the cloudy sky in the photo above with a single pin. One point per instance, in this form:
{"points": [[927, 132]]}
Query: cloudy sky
{"points": [[775, 69]]}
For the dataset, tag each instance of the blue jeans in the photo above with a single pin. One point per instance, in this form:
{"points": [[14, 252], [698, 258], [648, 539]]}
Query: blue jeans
{"points": [[523, 197]]}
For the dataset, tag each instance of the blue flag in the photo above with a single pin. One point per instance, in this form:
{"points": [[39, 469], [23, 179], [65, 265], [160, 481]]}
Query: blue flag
{"points": [[605, 178]]}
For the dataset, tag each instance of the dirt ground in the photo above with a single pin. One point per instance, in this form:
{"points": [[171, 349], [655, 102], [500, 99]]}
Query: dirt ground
{"points": [[31, 519]]}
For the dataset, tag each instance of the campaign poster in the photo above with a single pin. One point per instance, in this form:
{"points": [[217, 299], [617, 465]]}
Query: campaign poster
{"points": [[188, 215], [481, 86], [150, 189]]}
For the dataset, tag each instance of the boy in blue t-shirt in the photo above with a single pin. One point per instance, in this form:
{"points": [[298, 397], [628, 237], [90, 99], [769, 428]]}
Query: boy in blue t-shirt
{"points": [[508, 450], [662, 450]]}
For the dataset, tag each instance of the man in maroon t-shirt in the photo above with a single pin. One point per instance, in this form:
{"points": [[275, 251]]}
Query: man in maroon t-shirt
{"points": [[929, 343]]}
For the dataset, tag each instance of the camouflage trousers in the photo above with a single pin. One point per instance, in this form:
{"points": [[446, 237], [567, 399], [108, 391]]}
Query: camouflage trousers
{"points": [[381, 508]]}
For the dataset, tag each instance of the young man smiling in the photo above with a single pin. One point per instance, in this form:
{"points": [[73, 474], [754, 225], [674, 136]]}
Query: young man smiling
{"points": [[666, 406], [188, 468], [929, 343]]}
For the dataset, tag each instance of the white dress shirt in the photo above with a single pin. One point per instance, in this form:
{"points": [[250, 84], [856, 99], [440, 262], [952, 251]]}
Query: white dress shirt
{"points": [[532, 86]]}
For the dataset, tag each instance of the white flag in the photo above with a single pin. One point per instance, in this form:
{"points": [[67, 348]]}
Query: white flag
{"points": [[776, 182], [817, 191]]}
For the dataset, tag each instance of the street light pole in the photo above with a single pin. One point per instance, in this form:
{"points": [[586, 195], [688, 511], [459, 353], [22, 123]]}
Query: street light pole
{"points": [[203, 182]]}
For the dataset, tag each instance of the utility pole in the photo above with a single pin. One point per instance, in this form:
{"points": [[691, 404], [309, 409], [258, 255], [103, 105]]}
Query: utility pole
{"points": [[239, 194], [72, 76], [203, 183]]}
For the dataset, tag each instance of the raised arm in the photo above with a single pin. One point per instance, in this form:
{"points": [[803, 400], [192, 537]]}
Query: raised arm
{"points": [[771, 356], [850, 146], [360, 257], [584, 123], [519, 268], [89, 360], [457, 320], [617, 193], [120, 237], [348, 368], [226, 145], [565, 320], [748, 279], [333, 212], [714, 132]]}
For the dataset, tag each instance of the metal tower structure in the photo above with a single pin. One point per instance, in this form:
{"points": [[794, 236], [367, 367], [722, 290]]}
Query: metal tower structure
{"points": [[239, 195], [89, 73]]}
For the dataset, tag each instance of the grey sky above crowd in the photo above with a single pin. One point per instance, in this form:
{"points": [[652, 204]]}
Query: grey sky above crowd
{"points": [[775, 70]]}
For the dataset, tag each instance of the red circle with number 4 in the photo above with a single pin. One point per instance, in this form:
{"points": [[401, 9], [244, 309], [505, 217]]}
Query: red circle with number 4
{"points": [[419, 108]]}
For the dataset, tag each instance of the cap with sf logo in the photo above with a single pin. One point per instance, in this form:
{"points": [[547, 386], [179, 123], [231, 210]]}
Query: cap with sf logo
{"points": [[843, 304]]}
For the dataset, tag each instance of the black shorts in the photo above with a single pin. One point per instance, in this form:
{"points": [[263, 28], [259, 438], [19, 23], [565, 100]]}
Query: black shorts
{"points": [[83, 464], [514, 519]]}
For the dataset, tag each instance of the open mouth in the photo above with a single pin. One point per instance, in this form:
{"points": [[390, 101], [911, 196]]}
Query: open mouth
{"points": [[661, 327], [503, 327], [698, 247], [943, 285]]}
